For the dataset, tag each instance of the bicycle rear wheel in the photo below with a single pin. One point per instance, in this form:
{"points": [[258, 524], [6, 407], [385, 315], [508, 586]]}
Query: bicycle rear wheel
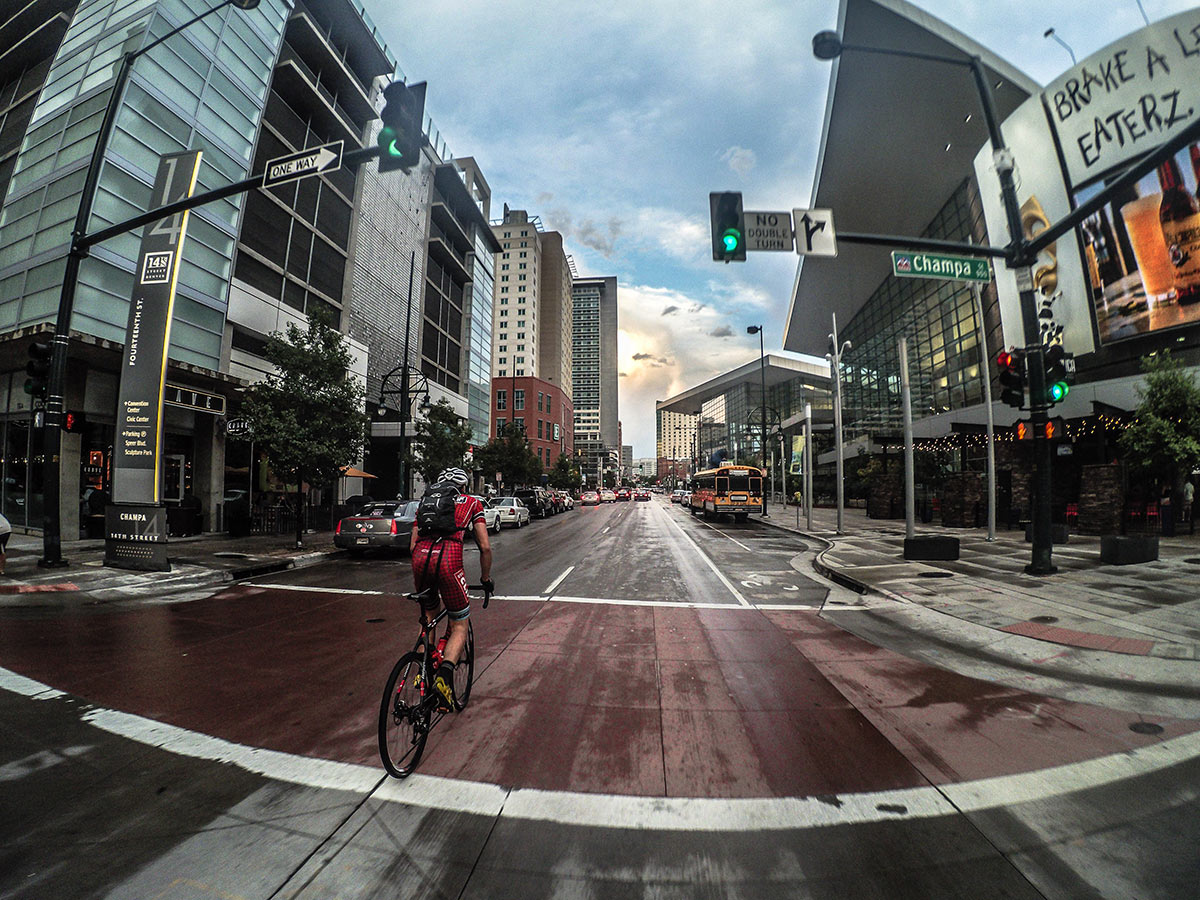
{"points": [[404, 720], [464, 672]]}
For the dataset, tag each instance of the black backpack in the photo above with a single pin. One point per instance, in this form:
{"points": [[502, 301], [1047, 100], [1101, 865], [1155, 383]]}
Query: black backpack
{"points": [[435, 511]]}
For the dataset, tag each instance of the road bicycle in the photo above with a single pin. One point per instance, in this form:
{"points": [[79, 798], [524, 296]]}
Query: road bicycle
{"points": [[409, 709]]}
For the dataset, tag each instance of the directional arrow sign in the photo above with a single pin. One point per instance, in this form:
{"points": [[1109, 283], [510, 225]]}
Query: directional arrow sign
{"points": [[312, 161], [814, 232]]}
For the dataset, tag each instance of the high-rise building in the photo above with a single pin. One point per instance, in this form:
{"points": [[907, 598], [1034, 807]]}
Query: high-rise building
{"points": [[594, 371], [243, 87], [531, 336], [676, 439]]}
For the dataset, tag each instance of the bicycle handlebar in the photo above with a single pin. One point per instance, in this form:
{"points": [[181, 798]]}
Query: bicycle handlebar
{"points": [[487, 595]]}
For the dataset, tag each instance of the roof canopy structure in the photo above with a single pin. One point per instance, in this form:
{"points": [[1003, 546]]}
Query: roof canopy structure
{"points": [[899, 136], [779, 369]]}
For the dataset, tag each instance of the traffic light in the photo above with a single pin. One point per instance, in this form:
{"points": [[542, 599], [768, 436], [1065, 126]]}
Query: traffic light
{"points": [[38, 370], [401, 138], [728, 226], [1055, 429], [74, 422], [1012, 377], [1058, 376]]}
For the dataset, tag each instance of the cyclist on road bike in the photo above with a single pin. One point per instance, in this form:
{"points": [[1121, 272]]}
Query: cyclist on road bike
{"points": [[437, 560]]}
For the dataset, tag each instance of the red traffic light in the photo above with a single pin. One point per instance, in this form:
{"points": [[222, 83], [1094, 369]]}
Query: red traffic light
{"points": [[1004, 359]]}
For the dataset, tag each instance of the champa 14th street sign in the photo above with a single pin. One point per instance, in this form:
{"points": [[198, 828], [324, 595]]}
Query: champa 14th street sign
{"points": [[906, 264]]}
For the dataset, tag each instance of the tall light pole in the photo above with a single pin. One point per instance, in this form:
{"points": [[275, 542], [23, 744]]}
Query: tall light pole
{"points": [[59, 347], [405, 371], [762, 371], [835, 365], [1018, 256]]}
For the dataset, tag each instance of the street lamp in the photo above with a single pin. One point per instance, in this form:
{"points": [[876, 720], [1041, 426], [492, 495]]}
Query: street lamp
{"points": [[1018, 255], [762, 371], [835, 364], [404, 370], [56, 383]]}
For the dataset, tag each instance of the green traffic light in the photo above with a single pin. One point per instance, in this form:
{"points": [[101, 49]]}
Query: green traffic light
{"points": [[1059, 391], [387, 142], [732, 238]]}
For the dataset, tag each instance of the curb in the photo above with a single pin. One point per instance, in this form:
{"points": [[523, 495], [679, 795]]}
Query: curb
{"points": [[821, 568]]}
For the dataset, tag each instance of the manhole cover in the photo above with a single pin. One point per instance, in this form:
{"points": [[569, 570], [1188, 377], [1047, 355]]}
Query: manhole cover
{"points": [[1044, 620], [374, 621], [936, 574], [231, 554], [1146, 728]]}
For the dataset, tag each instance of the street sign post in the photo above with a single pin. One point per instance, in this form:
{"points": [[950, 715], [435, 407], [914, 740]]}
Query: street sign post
{"points": [[313, 161], [768, 230], [906, 264], [814, 232]]}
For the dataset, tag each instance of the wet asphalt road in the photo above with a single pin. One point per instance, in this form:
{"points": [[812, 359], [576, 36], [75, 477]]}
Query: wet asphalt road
{"points": [[658, 711]]}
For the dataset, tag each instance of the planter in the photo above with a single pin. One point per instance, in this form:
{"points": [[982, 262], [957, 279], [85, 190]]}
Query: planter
{"points": [[1128, 549]]}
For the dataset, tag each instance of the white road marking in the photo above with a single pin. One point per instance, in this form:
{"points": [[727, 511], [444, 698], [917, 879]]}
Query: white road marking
{"points": [[607, 529], [312, 589], [723, 534], [712, 565], [559, 580], [625, 812], [684, 604]]}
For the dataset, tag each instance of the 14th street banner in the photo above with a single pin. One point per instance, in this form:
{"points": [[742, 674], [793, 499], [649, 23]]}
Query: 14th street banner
{"points": [[137, 531]]}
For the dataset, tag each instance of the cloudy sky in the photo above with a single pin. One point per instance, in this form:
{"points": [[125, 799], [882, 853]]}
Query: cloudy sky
{"points": [[614, 121]]}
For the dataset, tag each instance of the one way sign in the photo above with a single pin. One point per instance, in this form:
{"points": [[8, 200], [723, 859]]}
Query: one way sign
{"points": [[814, 232], [312, 161]]}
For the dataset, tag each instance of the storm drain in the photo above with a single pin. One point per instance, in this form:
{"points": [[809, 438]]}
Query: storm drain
{"points": [[1044, 620], [1146, 728], [375, 621], [231, 554], [936, 574]]}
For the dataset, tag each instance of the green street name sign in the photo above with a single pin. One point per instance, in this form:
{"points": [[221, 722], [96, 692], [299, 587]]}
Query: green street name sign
{"points": [[906, 264]]}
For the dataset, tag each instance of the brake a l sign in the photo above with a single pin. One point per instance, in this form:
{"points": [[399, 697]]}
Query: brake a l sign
{"points": [[768, 230]]}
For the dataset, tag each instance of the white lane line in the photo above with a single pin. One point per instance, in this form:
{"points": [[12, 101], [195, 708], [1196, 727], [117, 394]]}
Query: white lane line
{"points": [[607, 529], [742, 601], [786, 606], [658, 813], [311, 589], [559, 580], [723, 534], [684, 604]]}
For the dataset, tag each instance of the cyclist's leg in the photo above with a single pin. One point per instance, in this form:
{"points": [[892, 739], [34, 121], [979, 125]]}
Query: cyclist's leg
{"points": [[426, 565], [452, 585]]}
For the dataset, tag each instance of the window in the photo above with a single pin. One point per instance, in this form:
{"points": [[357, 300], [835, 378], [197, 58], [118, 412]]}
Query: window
{"points": [[548, 399], [519, 399], [501, 399], [539, 429], [500, 426], [541, 399]]}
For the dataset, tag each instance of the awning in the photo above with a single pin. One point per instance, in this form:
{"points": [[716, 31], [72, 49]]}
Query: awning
{"points": [[352, 472]]}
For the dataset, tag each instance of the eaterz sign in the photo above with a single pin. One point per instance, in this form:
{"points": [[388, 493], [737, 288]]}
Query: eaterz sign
{"points": [[136, 535], [1132, 95]]}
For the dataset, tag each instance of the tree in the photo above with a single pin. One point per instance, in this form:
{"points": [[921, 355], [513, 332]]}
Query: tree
{"points": [[441, 442], [565, 474], [509, 454], [1163, 443], [308, 415]]}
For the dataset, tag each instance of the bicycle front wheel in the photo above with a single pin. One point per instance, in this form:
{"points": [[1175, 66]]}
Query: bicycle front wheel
{"points": [[404, 719], [464, 672]]}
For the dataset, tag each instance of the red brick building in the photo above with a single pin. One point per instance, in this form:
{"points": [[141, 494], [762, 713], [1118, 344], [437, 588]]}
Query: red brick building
{"points": [[541, 408]]}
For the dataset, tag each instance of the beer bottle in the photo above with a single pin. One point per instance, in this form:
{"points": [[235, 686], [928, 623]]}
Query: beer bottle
{"points": [[1195, 152], [1180, 218]]}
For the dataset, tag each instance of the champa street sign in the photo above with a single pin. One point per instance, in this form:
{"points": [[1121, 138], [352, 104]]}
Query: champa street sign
{"points": [[907, 264]]}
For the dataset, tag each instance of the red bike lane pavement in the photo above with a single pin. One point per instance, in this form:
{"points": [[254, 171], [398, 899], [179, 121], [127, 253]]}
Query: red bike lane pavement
{"points": [[617, 699]]}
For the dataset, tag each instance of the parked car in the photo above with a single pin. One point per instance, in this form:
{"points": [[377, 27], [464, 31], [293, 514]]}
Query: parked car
{"points": [[491, 515], [607, 496], [641, 494], [557, 504], [686, 501], [677, 495], [623, 493], [590, 498], [537, 500], [385, 524], [511, 511]]}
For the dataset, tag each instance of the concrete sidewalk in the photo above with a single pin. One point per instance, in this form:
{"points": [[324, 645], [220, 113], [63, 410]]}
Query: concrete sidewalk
{"points": [[1149, 609], [196, 562]]}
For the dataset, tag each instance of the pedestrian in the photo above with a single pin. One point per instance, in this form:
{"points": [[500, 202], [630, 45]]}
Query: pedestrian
{"points": [[1189, 492], [5, 531], [1166, 513]]}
